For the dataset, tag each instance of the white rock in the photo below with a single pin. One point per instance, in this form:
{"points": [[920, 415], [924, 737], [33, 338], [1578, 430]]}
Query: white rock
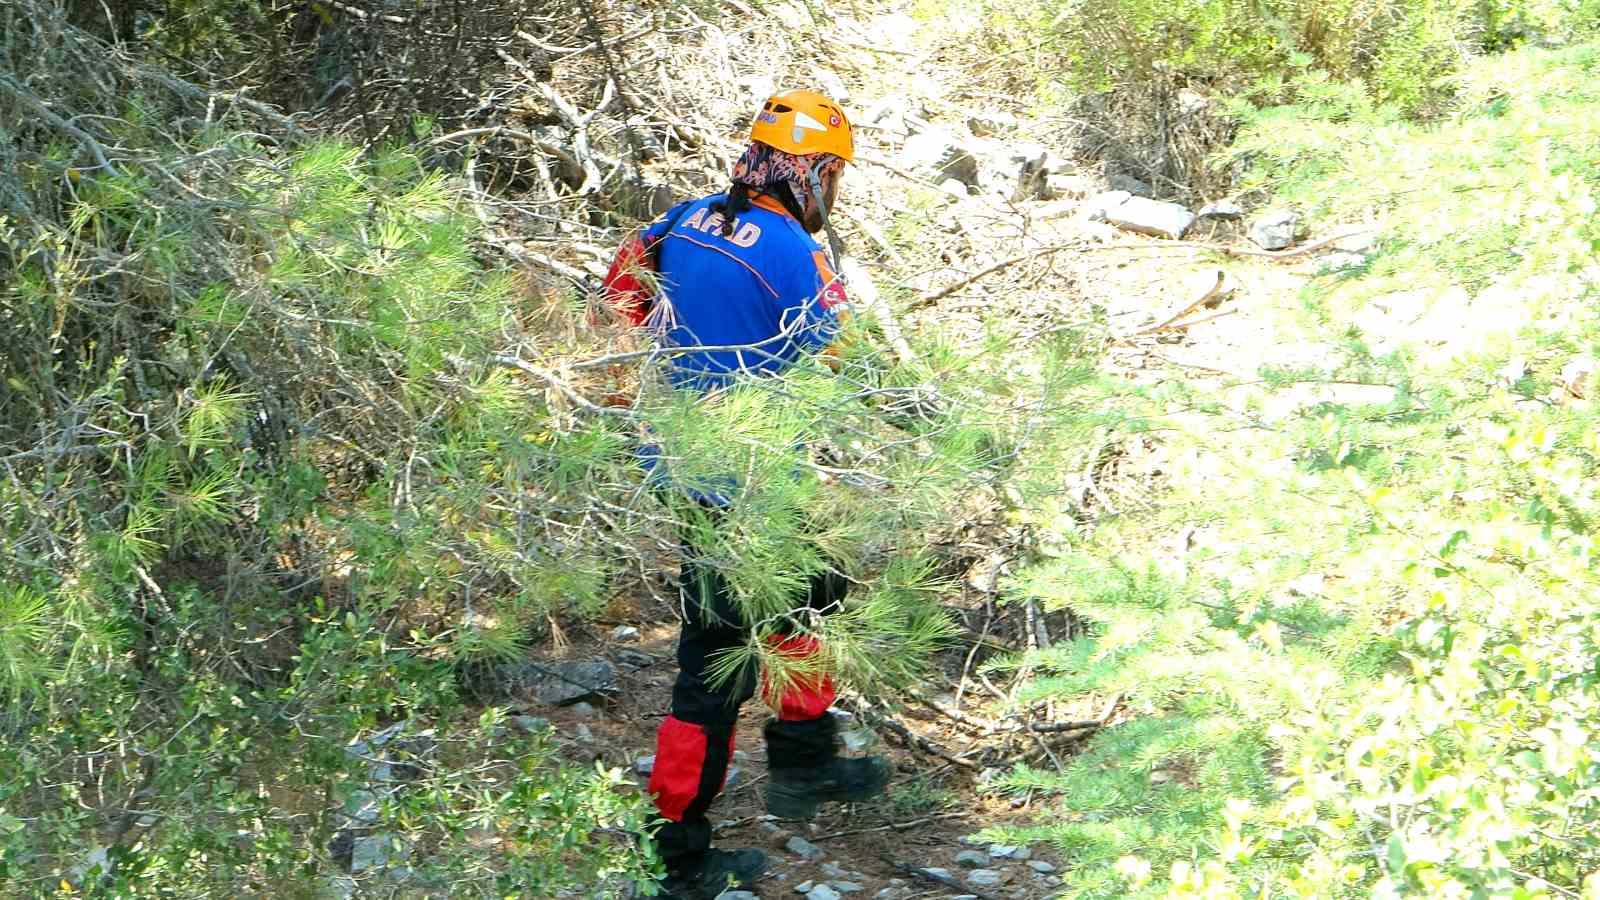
{"points": [[1275, 230], [891, 893], [939, 155], [623, 633], [936, 872], [737, 895], [846, 887], [1221, 209], [1191, 102], [801, 847], [831, 85], [822, 892], [955, 187], [584, 710], [830, 870], [804, 886], [1137, 214], [1575, 375], [644, 765], [1062, 186]]}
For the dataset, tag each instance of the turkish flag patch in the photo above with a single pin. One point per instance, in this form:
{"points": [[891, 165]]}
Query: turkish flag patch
{"points": [[833, 295]]}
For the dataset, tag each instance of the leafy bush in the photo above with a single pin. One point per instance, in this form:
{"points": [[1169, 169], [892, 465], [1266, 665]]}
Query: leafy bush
{"points": [[283, 447], [1372, 672], [1404, 50]]}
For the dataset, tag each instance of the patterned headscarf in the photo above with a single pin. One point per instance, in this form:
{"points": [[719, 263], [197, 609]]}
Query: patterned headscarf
{"points": [[763, 167]]}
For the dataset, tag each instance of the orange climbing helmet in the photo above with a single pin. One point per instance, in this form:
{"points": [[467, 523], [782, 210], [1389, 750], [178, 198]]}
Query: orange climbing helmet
{"points": [[803, 123]]}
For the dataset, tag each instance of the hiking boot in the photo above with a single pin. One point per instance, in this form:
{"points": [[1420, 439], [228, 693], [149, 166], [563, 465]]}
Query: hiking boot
{"points": [[715, 872], [796, 793]]}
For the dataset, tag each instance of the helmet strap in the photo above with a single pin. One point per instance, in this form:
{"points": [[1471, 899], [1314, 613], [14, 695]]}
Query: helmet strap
{"points": [[813, 179]]}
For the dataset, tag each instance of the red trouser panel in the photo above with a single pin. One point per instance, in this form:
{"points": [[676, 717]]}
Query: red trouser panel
{"points": [[809, 696], [680, 766], [680, 755]]}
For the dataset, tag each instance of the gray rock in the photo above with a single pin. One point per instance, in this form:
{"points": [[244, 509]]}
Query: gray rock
{"points": [[1042, 867], [732, 777], [1221, 209], [644, 765], [362, 807], [804, 886], [550, 682], [736, 895], [1276, 229], [1007, 851], [623, 633], [892, 893], [95, 862], [585, 710], [830, 870], [846, 887], [1137, 214], [935, 872], [971, 859], [530, 724], [376, 851], [803, 848], [633, 660], [822, 892], [1130, 184], [584, 734], [982, 878]]}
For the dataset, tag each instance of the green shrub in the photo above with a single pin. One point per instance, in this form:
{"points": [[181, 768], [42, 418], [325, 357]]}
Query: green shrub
{"points": [[1404, 50]]}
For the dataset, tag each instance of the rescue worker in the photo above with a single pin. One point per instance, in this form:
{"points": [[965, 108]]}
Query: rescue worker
{"points": [[740, 271]]}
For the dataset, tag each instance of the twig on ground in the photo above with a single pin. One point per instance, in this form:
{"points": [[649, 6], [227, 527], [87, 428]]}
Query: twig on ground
{"points": [[918, 742], [1230, 250], [893, 826], [943, 292], [1215, 293]]}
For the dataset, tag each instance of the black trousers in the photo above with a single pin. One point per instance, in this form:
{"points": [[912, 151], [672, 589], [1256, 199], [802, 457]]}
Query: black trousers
{"points": [[695, 742]]}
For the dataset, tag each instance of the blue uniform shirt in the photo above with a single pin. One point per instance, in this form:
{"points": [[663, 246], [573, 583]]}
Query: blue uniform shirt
{"points": [[766, 288]]}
